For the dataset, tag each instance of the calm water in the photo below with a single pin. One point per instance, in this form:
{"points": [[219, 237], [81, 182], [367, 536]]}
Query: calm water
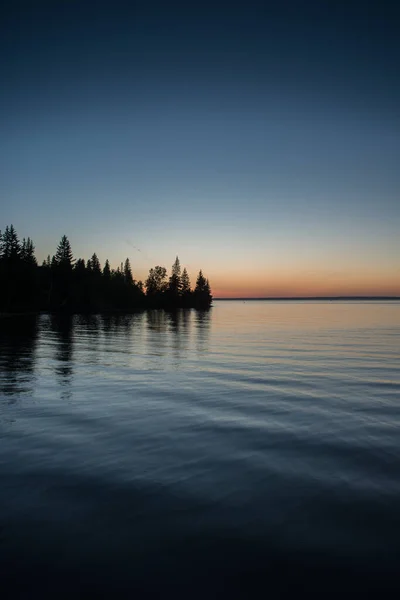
{"points": [[253, 450]]}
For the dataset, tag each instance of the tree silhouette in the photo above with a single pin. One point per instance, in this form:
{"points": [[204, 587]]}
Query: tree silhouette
{"points": [[61, 284], [128, 272], [11, 275], [10, 248], [175, 282], [200, 283], [64, 257], [156, 286], [185, 289], [28, 252], [155, 282], [95, 265], [202, 292], [80, 268], [107, 270], [62, 264]]}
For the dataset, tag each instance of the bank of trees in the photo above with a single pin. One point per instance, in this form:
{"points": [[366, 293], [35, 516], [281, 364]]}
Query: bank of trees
{"points": [[63, 283]]}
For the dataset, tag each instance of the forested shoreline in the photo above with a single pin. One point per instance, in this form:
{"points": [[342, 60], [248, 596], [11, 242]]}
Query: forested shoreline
{"points": [[65, 284]]}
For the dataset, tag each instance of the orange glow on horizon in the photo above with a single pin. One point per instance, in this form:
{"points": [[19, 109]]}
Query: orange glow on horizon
{"points": [[311, 286]]}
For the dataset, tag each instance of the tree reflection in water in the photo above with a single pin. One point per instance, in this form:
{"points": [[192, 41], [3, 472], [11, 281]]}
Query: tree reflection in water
{"points": [[18, 341]]}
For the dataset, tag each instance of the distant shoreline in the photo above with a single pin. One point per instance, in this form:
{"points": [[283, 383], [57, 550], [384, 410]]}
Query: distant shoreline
{"points": [[314, 298]]}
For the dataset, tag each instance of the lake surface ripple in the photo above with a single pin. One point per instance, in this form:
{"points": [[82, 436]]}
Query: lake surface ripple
{"points": [[252, 450]]}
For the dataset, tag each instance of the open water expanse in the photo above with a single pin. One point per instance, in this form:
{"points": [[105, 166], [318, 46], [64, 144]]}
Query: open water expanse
{"points": [[249, 451]]}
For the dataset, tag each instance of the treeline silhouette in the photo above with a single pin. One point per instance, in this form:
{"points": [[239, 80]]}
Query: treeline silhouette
{"points": [[63, 284]]}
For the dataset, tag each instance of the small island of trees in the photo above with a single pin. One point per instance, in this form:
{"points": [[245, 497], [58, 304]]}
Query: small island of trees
{"points": [[63, 284]]}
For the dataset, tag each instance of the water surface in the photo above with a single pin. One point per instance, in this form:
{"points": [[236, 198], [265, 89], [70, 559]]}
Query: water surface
{"points": [[250, 450]]}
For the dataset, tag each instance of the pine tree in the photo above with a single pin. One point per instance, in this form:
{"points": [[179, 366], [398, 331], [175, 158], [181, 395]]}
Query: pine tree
{"points": [[62, 274], [202, 292], [175, 283], [200, 283], [28, 252], [128, 272], [80, 268], [107, 270], [64, 257], [95, 264], [10, 249], [185, 281]]}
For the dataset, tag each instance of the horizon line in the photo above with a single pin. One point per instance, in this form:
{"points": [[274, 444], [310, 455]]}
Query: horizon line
{"points": [[288, 298]]}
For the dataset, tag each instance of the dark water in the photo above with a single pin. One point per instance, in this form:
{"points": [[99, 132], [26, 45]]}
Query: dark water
{"points": [[252, 451]]}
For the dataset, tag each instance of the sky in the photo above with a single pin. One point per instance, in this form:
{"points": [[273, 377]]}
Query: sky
{"points": [[259, 141]]}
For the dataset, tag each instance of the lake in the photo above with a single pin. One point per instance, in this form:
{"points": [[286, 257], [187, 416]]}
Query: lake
{"points": [[249, 451]]}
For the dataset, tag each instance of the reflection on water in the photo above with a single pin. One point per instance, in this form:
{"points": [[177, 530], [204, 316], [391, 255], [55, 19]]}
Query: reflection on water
{"points": [[18, 339], [255, 443], [203, 324], [152, 335], [62, 329]]}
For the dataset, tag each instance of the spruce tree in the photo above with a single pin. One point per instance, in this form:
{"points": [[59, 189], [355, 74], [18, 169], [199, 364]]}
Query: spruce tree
{"points": [[200, 283], [28, 252], [175, 283], [95, 264], [202, 292], [64, 257], [185, 282], [80, 268], [107, 270], [10, 247], [128, 272], [62, 274]]}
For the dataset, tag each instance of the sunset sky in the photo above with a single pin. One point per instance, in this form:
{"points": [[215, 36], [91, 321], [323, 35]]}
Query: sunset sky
{"points": [[259, 141]]}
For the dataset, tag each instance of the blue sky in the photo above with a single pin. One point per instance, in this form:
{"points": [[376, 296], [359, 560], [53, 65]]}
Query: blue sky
{"points": [[259, 142]]}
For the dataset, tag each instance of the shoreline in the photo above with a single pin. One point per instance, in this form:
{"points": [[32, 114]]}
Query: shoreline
{"points": [[313, 299]]}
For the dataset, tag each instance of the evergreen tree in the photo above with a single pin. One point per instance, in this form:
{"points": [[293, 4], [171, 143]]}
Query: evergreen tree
{"points": [[128, 272], [200, 283], [28, 285], [61, 283], [202, 292], [107, 270], [64, 257], [28, 252], [10, 249], [175, 283], [185, 281], [95, 264], [80, 268], [62, 275]]}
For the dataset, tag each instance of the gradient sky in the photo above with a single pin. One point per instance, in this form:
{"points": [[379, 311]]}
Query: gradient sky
{"points": [[259, 141]]}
